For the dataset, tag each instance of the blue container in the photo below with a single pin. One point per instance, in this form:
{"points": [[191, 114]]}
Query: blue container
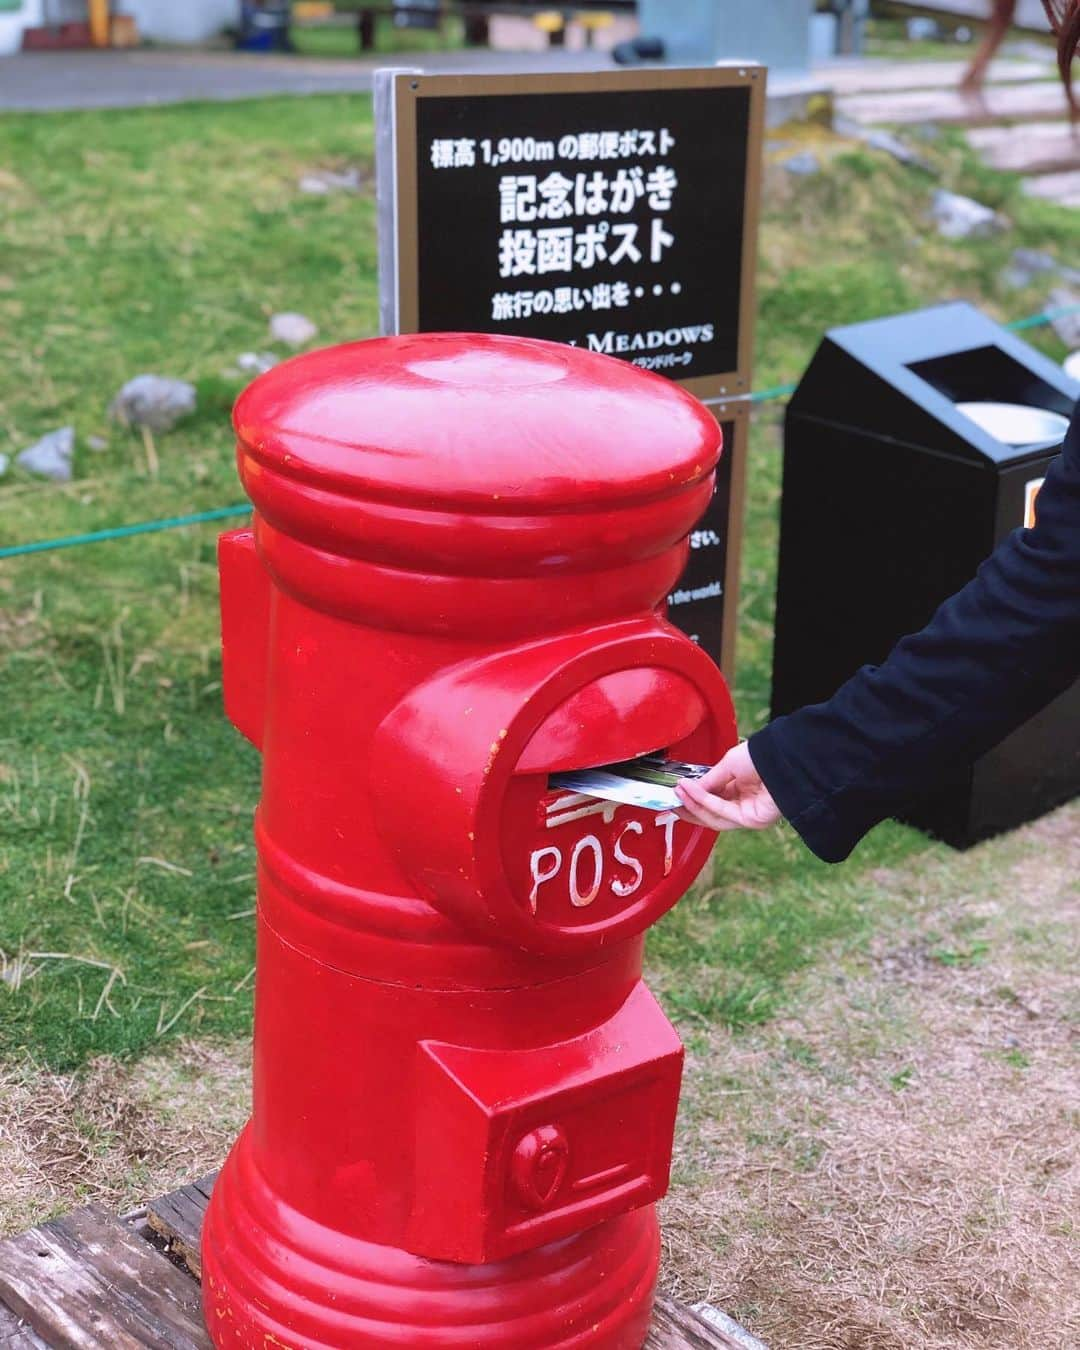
{"points": [[264, 28]]}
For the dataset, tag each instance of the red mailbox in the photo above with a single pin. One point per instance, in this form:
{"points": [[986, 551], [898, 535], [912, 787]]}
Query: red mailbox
{"points": [[464, 1095]]}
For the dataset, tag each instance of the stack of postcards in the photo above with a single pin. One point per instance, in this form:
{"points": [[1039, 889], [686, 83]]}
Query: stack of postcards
{"points": [[648, 782]]}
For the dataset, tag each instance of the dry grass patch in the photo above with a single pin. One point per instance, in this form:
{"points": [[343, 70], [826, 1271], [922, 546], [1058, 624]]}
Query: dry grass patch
{"points": [[119, 1133], [896, 1166]]}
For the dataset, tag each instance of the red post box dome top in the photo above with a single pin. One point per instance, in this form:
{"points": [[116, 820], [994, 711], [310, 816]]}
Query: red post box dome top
{"points": [[511, 464], [469, 421]]}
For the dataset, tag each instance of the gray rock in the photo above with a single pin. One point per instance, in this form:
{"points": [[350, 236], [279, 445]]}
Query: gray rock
{"points": [[1025, 265], [321, 182], [960, 217], [923, 30], [1066, 324], [803, 164], [153, 401], [97, 442], [893, 145], [292, 329], [881, 140], [256, 363], [51, 457]]}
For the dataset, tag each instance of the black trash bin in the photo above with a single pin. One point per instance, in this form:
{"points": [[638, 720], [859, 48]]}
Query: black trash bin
{"points": [[912, 447]]}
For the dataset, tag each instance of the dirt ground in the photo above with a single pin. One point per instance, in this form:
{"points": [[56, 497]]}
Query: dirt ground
{"points": [[118, 1133], [893, 1165]]}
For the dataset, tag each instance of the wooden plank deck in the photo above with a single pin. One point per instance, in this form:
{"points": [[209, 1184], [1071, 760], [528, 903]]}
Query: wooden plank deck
{"points": [[15, 1334], [998, 103], [178, 1219], [880, 76], [1063, 188], [1040, 147], [89, 1281]]}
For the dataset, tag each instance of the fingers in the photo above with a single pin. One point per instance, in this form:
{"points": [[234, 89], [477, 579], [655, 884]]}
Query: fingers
{"points": [[740, 800], [736, 767], [695, 817]]}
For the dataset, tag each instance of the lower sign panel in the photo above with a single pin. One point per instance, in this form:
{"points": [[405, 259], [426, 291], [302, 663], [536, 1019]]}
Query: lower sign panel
{"points": [[704, 602]]}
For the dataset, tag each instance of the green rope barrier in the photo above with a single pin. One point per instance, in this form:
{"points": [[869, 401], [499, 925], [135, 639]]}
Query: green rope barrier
{"points": [[777, 391], [125, 531], [226, 512], [1046, 316]]}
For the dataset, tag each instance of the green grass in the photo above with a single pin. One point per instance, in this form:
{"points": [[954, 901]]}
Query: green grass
{"points": [[161, 240], [887, 37]]}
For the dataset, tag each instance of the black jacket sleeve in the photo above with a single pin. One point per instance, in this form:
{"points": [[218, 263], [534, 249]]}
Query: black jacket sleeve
{"points": [[992, 656]]}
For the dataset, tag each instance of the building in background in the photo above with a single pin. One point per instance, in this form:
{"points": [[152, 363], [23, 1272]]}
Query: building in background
{"points": [[192, 21], [15, 17], [698, 32]]}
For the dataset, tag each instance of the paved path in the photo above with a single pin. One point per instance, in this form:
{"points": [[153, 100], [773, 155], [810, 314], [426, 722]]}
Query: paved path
{"points": [[51, 81], [41, 81]]}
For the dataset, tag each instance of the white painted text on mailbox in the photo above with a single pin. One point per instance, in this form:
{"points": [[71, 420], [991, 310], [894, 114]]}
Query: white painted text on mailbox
{"points": [[594, 863]]}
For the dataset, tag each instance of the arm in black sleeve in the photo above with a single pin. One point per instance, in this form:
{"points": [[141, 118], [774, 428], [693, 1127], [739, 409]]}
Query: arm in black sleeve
{"points": [[992, 656]]}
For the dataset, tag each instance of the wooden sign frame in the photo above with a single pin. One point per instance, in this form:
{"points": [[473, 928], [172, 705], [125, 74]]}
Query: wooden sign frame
{"points": [[399, 97]]}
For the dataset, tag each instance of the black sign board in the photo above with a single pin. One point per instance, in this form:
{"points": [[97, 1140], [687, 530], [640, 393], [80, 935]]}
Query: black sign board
{"points": [[613, 210]]}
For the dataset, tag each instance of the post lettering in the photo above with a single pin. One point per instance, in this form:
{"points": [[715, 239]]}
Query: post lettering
{"points": [[626, 888], [539, 875], [578, 898], [667, 820]]}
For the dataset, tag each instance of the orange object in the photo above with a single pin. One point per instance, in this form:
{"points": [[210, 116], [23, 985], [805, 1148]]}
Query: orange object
{"points": [[123, 31], [98, 15]]}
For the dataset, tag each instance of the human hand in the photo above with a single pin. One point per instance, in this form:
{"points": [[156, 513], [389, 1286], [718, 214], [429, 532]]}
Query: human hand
{"points": [[731, 796]]}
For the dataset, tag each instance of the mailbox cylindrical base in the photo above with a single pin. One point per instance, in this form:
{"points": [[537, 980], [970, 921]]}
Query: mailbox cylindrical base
{"points": [[273, 1277]]}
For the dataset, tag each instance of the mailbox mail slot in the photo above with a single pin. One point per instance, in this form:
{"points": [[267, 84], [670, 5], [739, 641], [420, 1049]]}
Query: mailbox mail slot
{"points": [[453, 589]]}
